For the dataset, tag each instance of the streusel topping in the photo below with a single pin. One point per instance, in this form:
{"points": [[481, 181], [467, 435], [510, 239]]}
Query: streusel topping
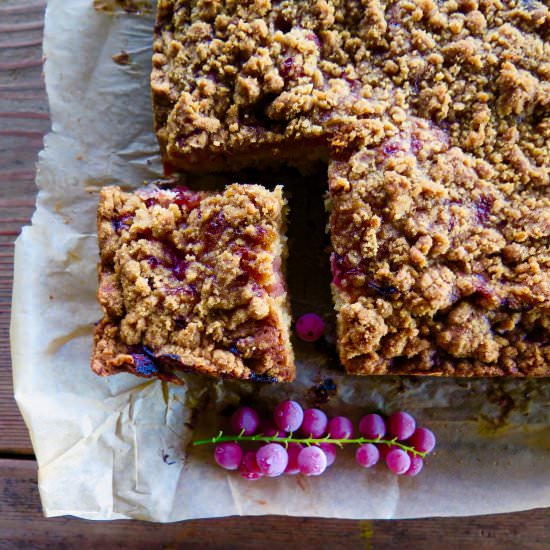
{"points": [[194, 278], [435, 264], [434, 117]]}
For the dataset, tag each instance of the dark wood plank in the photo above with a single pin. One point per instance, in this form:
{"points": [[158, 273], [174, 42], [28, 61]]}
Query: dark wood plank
{"points": [[23, 526], [24, 120]]}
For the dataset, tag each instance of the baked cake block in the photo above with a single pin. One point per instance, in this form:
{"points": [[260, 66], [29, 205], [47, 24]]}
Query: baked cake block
{"points": [[248, 83], [434, 118], [440, 223], [192, 281], [436, 269]]}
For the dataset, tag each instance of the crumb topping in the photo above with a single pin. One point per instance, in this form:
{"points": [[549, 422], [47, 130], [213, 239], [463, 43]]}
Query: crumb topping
{"points": [[435, 263], [231, 76], [434, 117], [194, 278]]}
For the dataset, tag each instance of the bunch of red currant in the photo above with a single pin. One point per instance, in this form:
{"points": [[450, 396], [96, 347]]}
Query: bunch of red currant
{"points": [[297, 441]]}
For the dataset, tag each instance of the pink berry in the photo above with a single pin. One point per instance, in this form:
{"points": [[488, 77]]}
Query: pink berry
{"points": [[270, 429], [272, 459], [340, 427], [228, 455], [401, 425], [312, 461], [249, 467], [249, 460], [383, 449], [422, 440], [245, 420], [398, 461], [367, 455], [288, 415], [330, 450], [416, 465], [372, 426], [315, 423], [310, 327], [293, 450]]}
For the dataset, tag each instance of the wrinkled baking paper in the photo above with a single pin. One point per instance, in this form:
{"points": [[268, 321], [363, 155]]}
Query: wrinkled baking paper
{"points": [[118, 447]]}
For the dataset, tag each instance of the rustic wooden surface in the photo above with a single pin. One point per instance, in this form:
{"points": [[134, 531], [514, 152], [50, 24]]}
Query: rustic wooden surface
{"points": [[23, 121]]}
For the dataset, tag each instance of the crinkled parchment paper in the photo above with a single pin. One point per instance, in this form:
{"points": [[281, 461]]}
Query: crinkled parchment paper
{"points": [[118, 447]]}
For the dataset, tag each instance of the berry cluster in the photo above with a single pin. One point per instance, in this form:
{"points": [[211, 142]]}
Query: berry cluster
{"points": [[297, 441]]}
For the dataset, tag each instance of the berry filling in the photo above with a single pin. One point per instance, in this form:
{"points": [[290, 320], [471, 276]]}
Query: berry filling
{"points": [[343, 272], [186, 198], [483, 207], [147, 364], [119, 223]]}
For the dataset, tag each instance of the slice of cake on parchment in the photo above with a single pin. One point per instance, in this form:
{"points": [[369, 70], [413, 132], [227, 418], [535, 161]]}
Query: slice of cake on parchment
{"points": [[192, 281]]}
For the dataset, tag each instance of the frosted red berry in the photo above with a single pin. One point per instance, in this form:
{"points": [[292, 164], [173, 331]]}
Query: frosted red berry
{"points": [[310, 327], [401, 425], [245, 420], [416, 466]]}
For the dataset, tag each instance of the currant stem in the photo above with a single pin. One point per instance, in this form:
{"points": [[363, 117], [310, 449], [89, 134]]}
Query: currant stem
{"points": [[308, 441]]}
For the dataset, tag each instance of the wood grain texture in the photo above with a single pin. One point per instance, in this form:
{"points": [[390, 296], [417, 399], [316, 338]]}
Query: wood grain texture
{"points": [[22, 526], [23, 121]]}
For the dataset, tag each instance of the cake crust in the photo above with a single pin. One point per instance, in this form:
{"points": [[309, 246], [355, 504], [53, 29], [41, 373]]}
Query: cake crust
{"points": [[192, 281]]}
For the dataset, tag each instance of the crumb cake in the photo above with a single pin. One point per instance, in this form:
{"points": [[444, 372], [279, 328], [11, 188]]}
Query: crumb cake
{"points": [[440, 222], [192, 281], [434, 118], [437, 270], [248, 83]]}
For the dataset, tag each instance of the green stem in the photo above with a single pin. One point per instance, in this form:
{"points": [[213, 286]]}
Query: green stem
{"points": [[308, 441]]}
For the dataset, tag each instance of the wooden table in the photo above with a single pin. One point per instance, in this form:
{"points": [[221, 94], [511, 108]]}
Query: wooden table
{"points": [[24, 119]]}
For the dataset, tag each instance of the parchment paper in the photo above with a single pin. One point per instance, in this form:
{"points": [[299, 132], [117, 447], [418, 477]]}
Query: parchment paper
{"points": [[118, 447]]}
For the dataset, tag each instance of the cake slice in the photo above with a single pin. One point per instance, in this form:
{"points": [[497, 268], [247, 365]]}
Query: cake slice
{"points": [[192, 282], [436, 270], [250, 83]]}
